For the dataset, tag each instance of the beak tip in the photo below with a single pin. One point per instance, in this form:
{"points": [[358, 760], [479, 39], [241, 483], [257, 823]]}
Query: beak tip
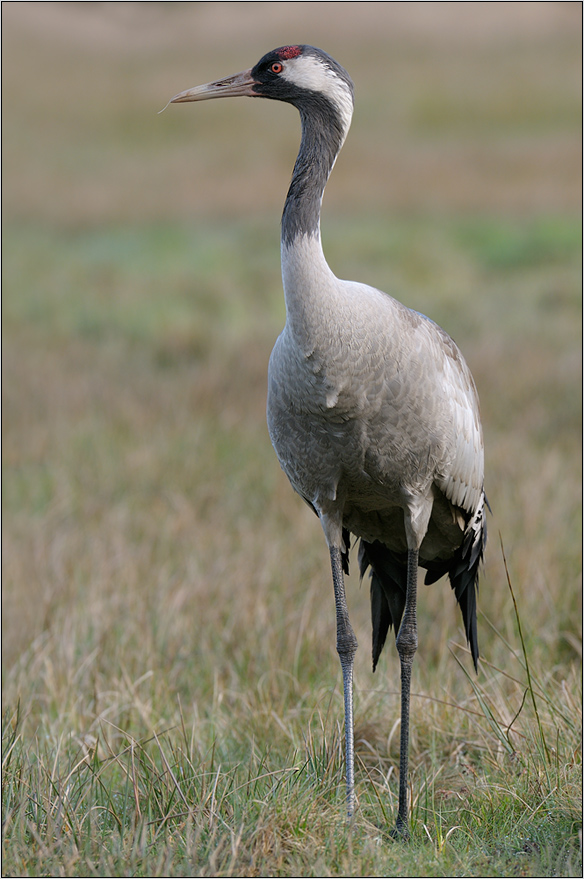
{"points": [[234, 86], [177, 99]]}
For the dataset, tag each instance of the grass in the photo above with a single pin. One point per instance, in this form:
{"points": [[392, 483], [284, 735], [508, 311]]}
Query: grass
{"points": [[172, 701], [494, 793]]}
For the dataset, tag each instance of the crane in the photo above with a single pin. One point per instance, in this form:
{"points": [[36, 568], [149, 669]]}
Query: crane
{"points": [[371, 408]]}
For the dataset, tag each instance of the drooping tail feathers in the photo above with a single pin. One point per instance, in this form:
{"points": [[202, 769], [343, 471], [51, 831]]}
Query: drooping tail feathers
{"points": [[389, 577]]}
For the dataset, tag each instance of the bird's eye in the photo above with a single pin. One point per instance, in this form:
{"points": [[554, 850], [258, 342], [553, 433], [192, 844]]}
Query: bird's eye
{"points": [[276, 67]]}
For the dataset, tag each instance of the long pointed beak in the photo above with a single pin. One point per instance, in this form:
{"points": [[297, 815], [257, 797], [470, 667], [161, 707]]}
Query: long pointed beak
{"points": [[232, 87]]}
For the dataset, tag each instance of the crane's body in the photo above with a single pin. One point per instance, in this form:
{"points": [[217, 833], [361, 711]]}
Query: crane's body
{"points": [[371, 408], [372, 411]]}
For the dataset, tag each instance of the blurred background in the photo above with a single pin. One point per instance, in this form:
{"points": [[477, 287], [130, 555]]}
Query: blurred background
{"points": [[146, 522]]}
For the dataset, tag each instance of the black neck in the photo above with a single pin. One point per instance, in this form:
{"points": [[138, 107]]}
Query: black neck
{"points": [[322, 138]]}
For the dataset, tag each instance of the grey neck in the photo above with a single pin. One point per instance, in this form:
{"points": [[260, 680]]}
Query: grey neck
{"points": [[322, 139]]}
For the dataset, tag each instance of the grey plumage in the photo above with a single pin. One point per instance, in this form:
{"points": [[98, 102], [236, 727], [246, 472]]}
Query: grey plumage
{"points": [[371, 408]]}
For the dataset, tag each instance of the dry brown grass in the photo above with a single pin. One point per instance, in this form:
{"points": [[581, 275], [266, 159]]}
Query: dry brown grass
{"points": [[459, 107]]}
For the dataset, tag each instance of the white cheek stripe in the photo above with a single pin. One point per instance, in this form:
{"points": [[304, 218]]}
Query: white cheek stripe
{"points": [[309, 73]]}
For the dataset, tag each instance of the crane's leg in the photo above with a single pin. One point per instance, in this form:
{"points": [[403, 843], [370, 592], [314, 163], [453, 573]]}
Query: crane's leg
{"points": [[407, 644], [346, 648]]}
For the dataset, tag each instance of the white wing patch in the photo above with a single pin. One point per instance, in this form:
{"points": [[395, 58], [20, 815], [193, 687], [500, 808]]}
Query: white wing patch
{"points": [[463, 484]]}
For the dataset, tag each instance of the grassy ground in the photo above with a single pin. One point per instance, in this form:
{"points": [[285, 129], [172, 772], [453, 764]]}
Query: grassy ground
{"points": [[172, 700]]}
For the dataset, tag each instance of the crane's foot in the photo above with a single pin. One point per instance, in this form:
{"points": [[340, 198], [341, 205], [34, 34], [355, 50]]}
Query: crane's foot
{"points": [[401, 831], [350, 821]]}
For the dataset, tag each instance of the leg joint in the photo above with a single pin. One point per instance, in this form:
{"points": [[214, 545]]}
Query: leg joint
{"points": [[406, 643], [347, 644]]}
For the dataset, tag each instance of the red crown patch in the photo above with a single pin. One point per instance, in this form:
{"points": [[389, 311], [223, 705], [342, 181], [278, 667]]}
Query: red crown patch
{"points": [[287, 52]]}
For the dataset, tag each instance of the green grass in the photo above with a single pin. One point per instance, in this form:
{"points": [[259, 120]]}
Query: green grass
{"points": [[172, 699], [174, 706], [265, 796]]}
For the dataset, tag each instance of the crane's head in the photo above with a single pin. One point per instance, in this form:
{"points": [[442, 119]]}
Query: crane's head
{"points": [[298, 75]]}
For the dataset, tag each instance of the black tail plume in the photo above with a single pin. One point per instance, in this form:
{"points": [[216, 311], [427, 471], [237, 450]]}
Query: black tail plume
{"points": [[387, 591]]}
